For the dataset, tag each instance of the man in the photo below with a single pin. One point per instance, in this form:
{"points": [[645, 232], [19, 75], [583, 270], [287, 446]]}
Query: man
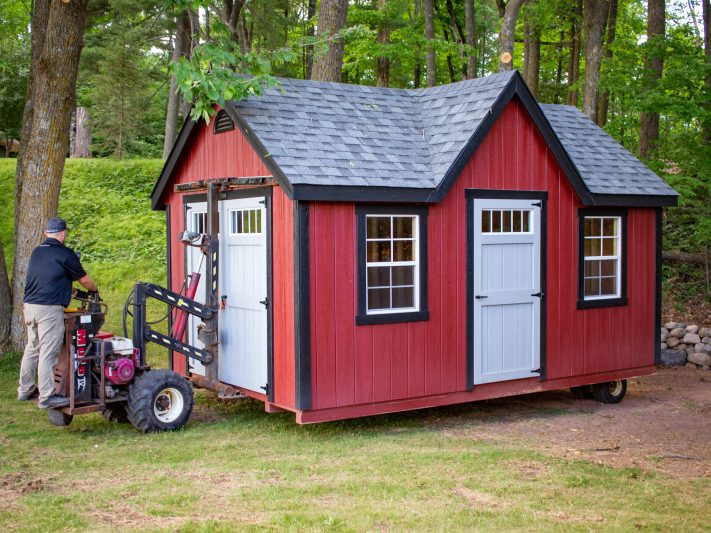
{"points": [[48, 289]]}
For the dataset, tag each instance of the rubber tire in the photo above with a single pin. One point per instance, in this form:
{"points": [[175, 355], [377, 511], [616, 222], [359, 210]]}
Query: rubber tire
{"points": [[116, 413], [584, 392], [607, 393], [142, 394], [58, 418]]}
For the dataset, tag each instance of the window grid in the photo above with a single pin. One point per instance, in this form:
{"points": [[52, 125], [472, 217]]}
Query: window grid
{"points": [[392, 270], [506, 221], [199, 222], [245, 221], [602, 249]]}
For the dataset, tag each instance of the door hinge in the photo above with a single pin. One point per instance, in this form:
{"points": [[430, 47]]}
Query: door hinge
{"points": [[263, 202], [538, 294], [536, 371], [480, 297], [537, 204], [265, 388], [265, 302]]}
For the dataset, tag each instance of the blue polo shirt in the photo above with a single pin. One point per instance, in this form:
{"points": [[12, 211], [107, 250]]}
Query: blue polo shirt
{"points": [[52, 269]]}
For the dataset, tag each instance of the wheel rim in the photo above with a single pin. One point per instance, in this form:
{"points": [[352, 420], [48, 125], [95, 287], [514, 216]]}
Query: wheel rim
{"points": [[616, 387], [168, 405]]}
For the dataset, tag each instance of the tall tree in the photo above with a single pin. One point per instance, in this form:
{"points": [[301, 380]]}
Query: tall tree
{"points": [[611, 30], [653, 66], [576, 20], [509, 13], [5, 303], [429, 36], [332, 16], [309, 48], [57, 39], [82, 135], [180, 49], [707, 56], [470, 24], [532, 48], [594, 16], [382, 62]]}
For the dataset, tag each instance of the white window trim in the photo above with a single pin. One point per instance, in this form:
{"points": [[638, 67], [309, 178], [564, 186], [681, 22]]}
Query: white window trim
{"points": [[617, 258]]}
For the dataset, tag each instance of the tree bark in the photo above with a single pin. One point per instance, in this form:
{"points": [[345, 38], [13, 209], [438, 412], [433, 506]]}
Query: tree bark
{"points": [[309, 49], [611, 29], [382, 62], [653, 65], [5, 303], [417, 71], [594, 15], [470, 23], [559, 68], [332, 16], [506, 35], [574, 61], [54, 73], [429, 36], [82, 139], [707, 53], [174, 104], [532, 50]]}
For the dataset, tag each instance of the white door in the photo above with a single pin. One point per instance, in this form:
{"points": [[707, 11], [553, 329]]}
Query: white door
{"points": [[196, 220], [243, 290], [507, 289]]}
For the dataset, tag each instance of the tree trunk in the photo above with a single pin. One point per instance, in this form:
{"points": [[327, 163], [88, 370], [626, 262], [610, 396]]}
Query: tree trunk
{"points": [[532, 51], [574, 61], [470, 23], [174, 104], [382, 62], [559, 69], [653, 65], [54, 74], [332, 16], [309, 49], [450, 63], [417, 71], [82, 139], [707, 53], [594, 15], [429, 36], [611, 29], [506, 35], [5, 303]]}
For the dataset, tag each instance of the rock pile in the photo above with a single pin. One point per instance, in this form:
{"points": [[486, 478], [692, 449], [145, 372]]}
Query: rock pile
{"points": [[684, 344]]}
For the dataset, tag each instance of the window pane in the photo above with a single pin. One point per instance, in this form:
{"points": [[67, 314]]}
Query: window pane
{"points": [[378, 227], [592, 247], [402, 227], [378, 251], [526, 216], [404, 275], [259, 221], [507, 221], [608, 286], [592, 227], [609, 227], [378, 298], [496, 221], [252, 221], [378, 276], [609, 246], [486, 221], [608, 268], [592, 287], [404, 297], [592, 269], [517, 221], [403, 251]]}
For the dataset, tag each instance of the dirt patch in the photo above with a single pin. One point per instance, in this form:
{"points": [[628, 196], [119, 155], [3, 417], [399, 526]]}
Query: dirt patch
{"points": [[663, 424], [481, 500]]}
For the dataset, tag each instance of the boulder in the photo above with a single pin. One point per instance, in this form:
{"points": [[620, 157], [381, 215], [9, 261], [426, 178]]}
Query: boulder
{"points": [[706, 348], [675, 325], [690, 350], [699, 347], [664, 346], [664, 337], [692, 329], [673, 342], [663, 330], [705, 332], [682, 347], [701, 359], [691, 338], [705, 340], [673, 358], [690, 365], [678, 333]]}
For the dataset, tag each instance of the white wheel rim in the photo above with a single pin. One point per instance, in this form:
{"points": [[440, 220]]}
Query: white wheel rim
{"points": [[616, 387], [168, 405]]}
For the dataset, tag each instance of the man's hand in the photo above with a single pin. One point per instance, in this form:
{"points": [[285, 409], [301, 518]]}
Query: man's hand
{"points": [[88, 284]]}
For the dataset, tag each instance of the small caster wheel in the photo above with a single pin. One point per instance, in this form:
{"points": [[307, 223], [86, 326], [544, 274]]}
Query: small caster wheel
{"points": [[611, 391], [58, 418], [584, 392]]}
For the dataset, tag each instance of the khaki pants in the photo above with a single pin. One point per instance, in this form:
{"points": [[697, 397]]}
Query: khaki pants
{"points": [[45, 334]]}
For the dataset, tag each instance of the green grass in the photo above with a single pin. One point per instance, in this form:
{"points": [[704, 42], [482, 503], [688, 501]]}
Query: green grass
{"points": [[235, 467]]}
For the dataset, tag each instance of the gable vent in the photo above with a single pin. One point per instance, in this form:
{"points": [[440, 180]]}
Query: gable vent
{"points": [[223, 122]]}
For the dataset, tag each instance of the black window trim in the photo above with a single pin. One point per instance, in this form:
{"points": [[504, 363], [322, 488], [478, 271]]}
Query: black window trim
{"points": [[601, 302], [362, 316]]}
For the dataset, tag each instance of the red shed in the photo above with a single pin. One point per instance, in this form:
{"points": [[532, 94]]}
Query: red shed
{"points": [[391, 249]]}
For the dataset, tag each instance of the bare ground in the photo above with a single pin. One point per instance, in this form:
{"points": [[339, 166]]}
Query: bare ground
{"points": [[663, 424]]}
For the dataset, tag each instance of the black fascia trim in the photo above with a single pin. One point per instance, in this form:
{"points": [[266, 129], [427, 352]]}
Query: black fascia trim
{"points": [[515, 88], [582, 303], [635, 200], [260, 149], [503, 194], [168, 276], [302, 307], [172, 160], [421, 211], [658, 286], [357, 193], [193, 198]]}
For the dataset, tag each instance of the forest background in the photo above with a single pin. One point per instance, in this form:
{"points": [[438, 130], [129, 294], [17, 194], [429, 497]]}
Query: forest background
{"points": [[125, 73]]}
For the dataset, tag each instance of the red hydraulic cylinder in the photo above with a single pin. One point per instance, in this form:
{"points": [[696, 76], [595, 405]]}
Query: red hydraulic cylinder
{"points": [[182, 321]]}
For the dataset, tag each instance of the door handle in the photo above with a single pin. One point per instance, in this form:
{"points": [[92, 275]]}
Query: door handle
{"points": [[480, 297]]}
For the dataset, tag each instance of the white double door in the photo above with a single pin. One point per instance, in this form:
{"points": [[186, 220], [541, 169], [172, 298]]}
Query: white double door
{"points": [[507, 289], [242, 282]]}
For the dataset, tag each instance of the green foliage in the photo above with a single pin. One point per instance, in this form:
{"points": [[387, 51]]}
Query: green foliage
{"points": [[14, 66]]}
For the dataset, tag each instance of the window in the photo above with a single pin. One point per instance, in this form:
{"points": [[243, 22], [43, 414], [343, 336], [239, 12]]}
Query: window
{"points": [[199, 222], [505, 221], [602, 253], [392, 264], [245, 221]]}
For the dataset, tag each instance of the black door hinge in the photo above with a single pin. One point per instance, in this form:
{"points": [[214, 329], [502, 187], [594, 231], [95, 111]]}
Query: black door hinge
{"points": [[480, 297], [536, 371], [537, 204], [265, 388], [265, 302], [538, 294], [263, 202]]}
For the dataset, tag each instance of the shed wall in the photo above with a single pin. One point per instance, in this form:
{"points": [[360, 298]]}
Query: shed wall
{"points": [[379, 363]]}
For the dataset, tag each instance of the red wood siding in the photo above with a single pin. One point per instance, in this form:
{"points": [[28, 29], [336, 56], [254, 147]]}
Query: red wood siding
{"points": [[386, 363], [229, 154]]}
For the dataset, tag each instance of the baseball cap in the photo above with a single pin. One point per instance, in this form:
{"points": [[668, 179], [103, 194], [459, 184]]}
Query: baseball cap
{"points": [[55, 225]]}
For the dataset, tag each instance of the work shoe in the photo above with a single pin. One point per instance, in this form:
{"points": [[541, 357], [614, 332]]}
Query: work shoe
{"points": [[25, 396], [53, 401]]}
